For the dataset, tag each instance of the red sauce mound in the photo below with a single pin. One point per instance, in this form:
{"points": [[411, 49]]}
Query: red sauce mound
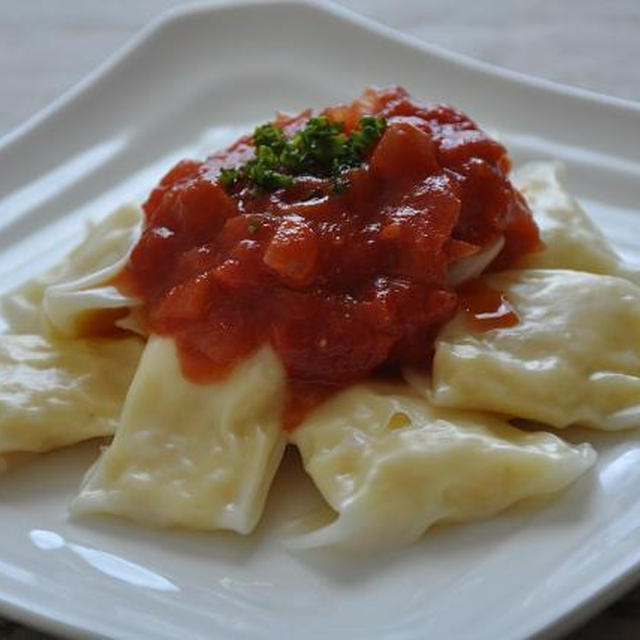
{"points": [[340, 283]]}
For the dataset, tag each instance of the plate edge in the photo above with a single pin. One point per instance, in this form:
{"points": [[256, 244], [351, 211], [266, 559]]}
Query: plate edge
{"points": [[176, 13]]}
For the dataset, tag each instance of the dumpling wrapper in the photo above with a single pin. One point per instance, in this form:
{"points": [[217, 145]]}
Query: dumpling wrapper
{"points": [[573, 358], [391, 465], [80, 283], [572, 239], [198, 456], [57, 393]]}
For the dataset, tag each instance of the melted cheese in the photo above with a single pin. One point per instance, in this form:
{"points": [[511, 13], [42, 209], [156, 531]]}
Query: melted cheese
{"points": [[79, 284], [391, 465], [574, 357], [572, 240], [56, 393], [190, 455]]}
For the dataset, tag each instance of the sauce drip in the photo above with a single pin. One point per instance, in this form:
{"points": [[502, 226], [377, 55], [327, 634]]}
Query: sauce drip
{"points": [[342, 283], [485, 308]]}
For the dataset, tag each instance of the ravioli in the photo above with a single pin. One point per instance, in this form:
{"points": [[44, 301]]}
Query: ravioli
{"points": [[199, 456], [80, 283], [261, 248], [573, 358], [391, 465], [55, 393], [572, 240]]}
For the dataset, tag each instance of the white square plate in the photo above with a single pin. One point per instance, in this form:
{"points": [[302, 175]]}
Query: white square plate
{"points": [[192, 81]]}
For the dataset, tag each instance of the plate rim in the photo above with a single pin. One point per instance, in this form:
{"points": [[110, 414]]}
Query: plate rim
{"points": [[157, 23], [619, 580], [15, 613]]}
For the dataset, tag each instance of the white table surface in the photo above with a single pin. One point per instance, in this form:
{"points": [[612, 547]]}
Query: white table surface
{"points": [[48, 45]]}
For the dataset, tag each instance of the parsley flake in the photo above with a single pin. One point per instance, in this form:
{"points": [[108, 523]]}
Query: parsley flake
{"points": [[254, 226], [320, 149]]}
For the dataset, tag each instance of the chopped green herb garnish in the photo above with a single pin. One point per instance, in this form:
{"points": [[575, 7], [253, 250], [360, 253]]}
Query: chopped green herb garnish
{"points": [[320, 149], [229, 177], [371, 129], [254, 226], [264, 170], [268, 135]]}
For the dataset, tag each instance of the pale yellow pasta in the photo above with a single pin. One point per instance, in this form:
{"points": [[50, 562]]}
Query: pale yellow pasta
{"points": [[200, 456], [80, 283], [573, 357], [55, 393], [572, 240], [391, 465]]}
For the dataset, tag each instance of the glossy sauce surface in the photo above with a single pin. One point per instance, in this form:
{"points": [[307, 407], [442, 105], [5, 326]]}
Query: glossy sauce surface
{"points": [[341, 283], [485, 307]]}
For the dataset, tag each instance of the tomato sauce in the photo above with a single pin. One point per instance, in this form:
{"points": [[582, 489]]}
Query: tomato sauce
{"points": [[485, 308], [341, 284]]}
